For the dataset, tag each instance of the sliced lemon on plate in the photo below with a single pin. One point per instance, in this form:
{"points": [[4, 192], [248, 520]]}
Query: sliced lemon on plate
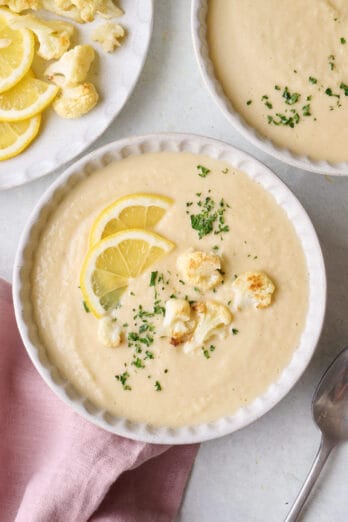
{"points": [[16, 53], [133, 211], [26, 99], [112, 262], [15, 137]]}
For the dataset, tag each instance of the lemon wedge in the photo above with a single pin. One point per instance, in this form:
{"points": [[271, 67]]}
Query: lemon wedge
{"points": [[16, 53], [26, 99], [132, 211], [112, 262], [15, 137]]}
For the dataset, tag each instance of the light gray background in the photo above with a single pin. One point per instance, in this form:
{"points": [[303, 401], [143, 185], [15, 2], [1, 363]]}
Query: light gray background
{"points": [[252, 475]]}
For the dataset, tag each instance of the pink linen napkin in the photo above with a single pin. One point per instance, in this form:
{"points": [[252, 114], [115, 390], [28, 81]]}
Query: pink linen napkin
{"points": [[57, 467]]}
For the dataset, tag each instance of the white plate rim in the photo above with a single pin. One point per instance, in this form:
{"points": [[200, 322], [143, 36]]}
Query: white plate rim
{"points": [[199, 10], [22, 177], [257, 171]]}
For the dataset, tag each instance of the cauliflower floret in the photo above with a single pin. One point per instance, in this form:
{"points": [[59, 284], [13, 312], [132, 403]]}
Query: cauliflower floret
{"points": [[108, 9], [252, 288], [109, 35], [200, 269], [177, 320], [109, 332], [53, 36], [74, 102], [73, 66], [213, 317], [21, 5], [82, 11]]}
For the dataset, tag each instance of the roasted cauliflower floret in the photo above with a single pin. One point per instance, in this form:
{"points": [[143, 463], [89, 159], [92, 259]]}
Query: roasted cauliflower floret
{"points": [[74, 102], [177, 321], [108, 9], [73, 66], [200, 269], [213, 317], [109, 332], [109, 35], [53, 36], [254, 288], [21, 5], [82, 11]]}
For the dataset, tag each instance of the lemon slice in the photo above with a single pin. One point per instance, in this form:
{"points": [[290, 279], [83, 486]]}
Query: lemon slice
{"points": [[26, 99], [16, 53], [133, 211], [112, 262], [15, 137]]}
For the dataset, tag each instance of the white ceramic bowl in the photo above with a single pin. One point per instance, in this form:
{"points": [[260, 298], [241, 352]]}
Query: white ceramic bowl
{"points": [[155, 143], [199, 10]]}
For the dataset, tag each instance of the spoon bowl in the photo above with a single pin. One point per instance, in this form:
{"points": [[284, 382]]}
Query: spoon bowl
{"points": [[330, 413], [330, 400]]}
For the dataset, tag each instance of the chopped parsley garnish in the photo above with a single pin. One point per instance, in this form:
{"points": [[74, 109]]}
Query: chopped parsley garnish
{"points": [[343, 40], [235, 331], [290, 99], [313, 80], [344, 87], [306, 110], [158, 386], [249, 102], [202, 171], [138, 363], [87, 310], [291, 121], [277, 87], [211, 218], [123, 380], [206, 353], [166, 370], [330, 93], [153, 278], [331, 62], [269, 105], [225, 171], [149, 355]]}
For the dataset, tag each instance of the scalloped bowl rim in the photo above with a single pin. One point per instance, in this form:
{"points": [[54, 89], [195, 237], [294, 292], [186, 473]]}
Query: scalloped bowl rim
{"points": [[256, 171], [198, 29]]}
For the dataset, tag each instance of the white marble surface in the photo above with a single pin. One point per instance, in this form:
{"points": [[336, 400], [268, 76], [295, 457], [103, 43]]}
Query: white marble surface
{"points": [[253, 475]]}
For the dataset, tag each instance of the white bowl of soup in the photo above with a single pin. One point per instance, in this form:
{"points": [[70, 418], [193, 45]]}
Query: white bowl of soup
{"points": [[169, 288], [279, 73]]}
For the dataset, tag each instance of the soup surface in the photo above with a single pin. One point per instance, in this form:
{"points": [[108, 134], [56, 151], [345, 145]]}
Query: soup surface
{"points": [[170, 387], [284, 66]]}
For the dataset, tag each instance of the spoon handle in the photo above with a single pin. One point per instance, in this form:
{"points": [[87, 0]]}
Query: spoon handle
{"points": [[324, 451]]}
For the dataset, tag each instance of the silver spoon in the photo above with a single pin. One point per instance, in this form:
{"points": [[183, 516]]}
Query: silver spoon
{"points": [[330, 412]]}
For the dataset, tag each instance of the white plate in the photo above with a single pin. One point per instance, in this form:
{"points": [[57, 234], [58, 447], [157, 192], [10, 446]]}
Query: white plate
{"points": [[199, 10], [181, 143], [115, 76]]}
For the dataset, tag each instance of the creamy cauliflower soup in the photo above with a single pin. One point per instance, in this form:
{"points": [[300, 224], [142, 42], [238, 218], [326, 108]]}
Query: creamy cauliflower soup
{"points": [[169, 288], [284, 67]]}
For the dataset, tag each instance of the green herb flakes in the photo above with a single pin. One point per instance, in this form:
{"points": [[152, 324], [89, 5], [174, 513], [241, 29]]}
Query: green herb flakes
{"points": [[202, 171], [153, 278], [158, 386], [290, 99], [123, 378], [86, 309]]}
